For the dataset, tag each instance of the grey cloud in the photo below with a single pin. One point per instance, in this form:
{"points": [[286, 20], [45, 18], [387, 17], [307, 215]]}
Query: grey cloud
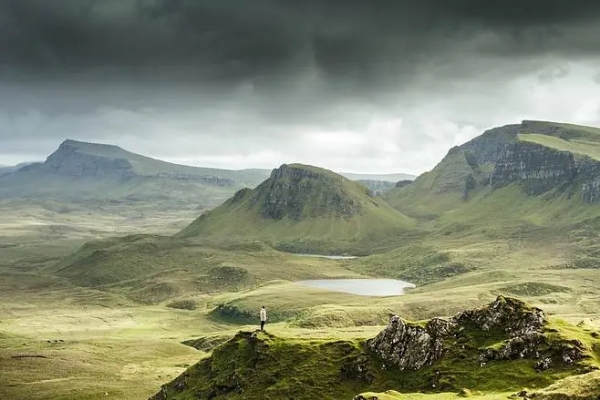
{"points": [[393, 83], [225, 41], [554, 72]]}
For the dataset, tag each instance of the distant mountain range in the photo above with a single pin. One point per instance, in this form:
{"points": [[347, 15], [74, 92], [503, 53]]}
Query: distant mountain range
{"points": [[525, 185], [80, 171]]}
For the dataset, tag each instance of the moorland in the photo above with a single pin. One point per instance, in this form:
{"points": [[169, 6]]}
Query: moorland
{"points": [[121, 274]]}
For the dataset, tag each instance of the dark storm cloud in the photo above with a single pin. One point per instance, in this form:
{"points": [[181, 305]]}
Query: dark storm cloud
{"points": [[313, 80], [364, 42]]}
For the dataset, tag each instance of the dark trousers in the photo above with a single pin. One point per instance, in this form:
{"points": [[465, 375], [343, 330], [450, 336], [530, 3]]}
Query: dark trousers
{"points": [[262, 325]]}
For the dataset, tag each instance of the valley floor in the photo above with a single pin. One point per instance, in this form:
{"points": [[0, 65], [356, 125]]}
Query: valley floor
{"points": [[59, 341]]}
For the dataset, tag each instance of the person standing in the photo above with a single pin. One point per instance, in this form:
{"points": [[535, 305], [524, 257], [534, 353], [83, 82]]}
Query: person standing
{"points": [[263, 318]]}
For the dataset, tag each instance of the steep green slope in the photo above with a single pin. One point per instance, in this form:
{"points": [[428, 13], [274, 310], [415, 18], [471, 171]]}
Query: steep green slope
{"points": [[539, 157], [304, 208], [505, 346], [457, 178]]}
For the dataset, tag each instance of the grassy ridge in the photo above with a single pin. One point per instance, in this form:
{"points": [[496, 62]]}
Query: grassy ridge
{"points": [[305, 209]]}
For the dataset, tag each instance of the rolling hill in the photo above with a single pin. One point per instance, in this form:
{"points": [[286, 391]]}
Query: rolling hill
{"points": [[304, 208], [82, 172]]}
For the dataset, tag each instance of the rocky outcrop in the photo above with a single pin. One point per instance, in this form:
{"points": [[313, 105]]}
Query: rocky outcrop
{"points": [[407, 346], [378, 188], [294, 191], [403, 183], [208, 179], [486, 148], [538, 168], [512, 316], [444, 355], [404, 346]]}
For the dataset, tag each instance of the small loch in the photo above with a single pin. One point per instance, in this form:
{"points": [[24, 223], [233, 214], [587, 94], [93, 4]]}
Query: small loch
{"points": [[328, 257], [362, 287]]}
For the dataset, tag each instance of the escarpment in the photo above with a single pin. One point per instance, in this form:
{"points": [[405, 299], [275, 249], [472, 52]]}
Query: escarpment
{"points": [[540, 169]]}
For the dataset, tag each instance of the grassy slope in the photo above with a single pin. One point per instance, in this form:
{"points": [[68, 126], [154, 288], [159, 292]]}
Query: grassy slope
{"points": [[153, 269], [587, 146], [438, 190], [317, 228], [278, 367]]}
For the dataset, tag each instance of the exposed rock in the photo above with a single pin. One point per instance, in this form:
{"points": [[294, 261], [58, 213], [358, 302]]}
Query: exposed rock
{"points": [[405, 346], [291, 190], [488, 147], [510, 315], [67, 160], [403, 183], [541, 169]]}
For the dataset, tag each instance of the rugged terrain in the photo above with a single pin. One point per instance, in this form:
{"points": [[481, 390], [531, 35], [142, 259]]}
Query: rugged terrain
{"points": [[502, 347], [511, 213], [304, 209]]}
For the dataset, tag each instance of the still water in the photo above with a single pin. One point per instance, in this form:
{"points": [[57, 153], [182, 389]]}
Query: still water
{"points": [[329, 257], [363, 287]]}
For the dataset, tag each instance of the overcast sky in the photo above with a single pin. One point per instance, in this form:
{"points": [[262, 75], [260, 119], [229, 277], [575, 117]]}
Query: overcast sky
{"points": [[374, 86]]}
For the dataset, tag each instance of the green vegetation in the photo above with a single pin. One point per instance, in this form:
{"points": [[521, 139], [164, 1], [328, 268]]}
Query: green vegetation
{"points": [[587, 146], [106, 278], [263, 365], [184, 304], [305, 209]]}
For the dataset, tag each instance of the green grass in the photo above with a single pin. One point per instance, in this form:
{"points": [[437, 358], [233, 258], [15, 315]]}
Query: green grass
{"points": [[265, 365], [461, 254], [436, 191], [584, 147], [307, 210], [152, 269], [302, 306]]}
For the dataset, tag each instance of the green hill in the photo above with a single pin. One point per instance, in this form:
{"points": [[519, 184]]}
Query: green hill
{"points": [[499, 348], [82, 172], [306, 209], [456, 179], [539, 157]]}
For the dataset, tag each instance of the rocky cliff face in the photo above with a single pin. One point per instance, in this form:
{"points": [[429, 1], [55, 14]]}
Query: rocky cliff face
{"points": [[294, 191], [378, 188], [486, 148], [540, 169], [67, 160]]}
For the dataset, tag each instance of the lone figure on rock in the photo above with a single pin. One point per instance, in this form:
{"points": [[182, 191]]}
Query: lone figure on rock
{"points": [[263, 318]]}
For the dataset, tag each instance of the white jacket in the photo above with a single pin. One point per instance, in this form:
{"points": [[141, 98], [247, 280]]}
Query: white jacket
{"points": [[263, 314]]}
